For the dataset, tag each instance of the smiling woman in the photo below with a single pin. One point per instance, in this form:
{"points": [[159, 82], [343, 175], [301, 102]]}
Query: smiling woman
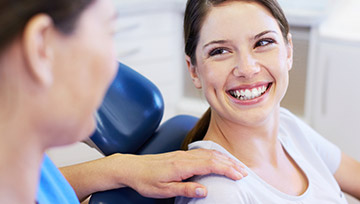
{"points": [[239, 53], [216, 50]]}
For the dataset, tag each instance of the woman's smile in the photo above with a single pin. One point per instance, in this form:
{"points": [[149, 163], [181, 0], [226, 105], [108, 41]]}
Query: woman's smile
{"points": [[250, 94]]}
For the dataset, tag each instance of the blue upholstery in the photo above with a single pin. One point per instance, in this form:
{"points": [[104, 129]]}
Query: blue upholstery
{"points": [[128, 122], [131, 111], [169, 136]]}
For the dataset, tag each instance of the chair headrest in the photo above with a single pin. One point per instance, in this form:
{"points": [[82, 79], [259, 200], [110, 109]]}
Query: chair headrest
{"points": [[130, 113]]}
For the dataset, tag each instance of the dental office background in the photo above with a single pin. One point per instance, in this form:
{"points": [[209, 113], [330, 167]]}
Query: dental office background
{"points": [[323, 81]]}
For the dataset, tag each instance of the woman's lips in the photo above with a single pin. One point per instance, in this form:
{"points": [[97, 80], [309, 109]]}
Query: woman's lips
{"points": [[250, 93]]}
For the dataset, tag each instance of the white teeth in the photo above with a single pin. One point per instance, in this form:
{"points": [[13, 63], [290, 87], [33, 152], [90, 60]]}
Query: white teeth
{"points": [[247, 94], [242, 92], [255, 93], [237, 93]]}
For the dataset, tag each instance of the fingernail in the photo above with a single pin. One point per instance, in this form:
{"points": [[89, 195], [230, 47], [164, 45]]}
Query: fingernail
{"points": [[200, 192], [239, 175]]}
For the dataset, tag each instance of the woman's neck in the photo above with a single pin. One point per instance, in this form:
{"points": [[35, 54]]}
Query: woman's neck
{"points": [[250, 144], [258, 148], [20, 159]]}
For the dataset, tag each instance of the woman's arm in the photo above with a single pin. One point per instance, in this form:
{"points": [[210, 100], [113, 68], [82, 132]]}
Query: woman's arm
{"points": [[348, 176], [157, 176]]}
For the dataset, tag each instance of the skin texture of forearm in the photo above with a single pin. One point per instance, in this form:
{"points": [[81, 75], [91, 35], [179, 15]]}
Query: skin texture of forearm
{"points": [[89, 177]]}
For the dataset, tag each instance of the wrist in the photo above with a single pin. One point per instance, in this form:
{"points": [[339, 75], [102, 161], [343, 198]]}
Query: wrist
{"points": [[118, 170]]}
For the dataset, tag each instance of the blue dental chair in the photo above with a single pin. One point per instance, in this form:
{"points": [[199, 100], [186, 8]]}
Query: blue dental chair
{"points": [[128, 122]]}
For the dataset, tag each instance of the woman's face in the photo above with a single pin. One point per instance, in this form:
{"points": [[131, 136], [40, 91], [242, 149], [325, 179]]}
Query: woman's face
{"points": [[242, 62], [84, 66]]}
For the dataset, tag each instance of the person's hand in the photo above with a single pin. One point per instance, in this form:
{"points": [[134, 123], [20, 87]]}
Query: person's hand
{"points": [[162, 175]]}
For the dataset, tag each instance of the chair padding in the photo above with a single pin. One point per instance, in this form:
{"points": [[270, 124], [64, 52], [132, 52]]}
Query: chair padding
{"points": [[169, 136], [130, 113]]}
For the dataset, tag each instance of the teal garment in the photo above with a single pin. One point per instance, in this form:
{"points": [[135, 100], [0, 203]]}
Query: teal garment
{"points": [[53, 187]]}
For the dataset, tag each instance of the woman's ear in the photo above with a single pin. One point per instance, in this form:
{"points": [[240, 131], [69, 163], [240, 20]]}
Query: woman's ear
{"points": [[193, 72], [289, 51], [38, 50]]}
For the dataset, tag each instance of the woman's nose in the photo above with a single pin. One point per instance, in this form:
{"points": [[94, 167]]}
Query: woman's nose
{"points": [[246, 66]]}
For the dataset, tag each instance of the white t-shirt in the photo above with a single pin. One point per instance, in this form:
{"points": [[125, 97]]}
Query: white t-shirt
{"points": [[317, 157]]}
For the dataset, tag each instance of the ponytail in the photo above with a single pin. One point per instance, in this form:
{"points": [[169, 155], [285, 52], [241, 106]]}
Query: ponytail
{"points": [[199, 131]]}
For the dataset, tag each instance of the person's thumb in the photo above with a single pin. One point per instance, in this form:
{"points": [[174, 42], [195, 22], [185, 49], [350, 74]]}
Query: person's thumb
{"points": [[188, 189]]}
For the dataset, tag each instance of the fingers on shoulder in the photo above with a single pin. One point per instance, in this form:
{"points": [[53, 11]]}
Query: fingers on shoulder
{"points": [[219, 163], [219, 190], [203, 161], [187, 189]]}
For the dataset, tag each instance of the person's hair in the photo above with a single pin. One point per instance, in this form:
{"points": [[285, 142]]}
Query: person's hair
{"points": [[195, 14], [15, 14]]}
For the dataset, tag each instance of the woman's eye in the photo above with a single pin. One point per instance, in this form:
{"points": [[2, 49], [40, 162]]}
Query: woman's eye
{"points": [[264, 42], [218, 51]]}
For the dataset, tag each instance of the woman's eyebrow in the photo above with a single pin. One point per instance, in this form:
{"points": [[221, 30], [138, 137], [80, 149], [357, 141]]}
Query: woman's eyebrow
{"points": [[264, 33], [225, 41], [215, 42]]}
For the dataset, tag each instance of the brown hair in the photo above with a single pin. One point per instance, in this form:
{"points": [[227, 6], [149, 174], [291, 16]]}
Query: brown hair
{"points": [[195, 14], [14, 15]]}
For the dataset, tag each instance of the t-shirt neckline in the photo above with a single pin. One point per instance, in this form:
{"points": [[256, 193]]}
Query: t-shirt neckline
{"points": [[213, 145]]}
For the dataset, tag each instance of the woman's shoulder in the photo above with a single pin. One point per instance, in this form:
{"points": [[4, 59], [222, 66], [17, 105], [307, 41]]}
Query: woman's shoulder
{"points": [[292, 124], [220, 190]]}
